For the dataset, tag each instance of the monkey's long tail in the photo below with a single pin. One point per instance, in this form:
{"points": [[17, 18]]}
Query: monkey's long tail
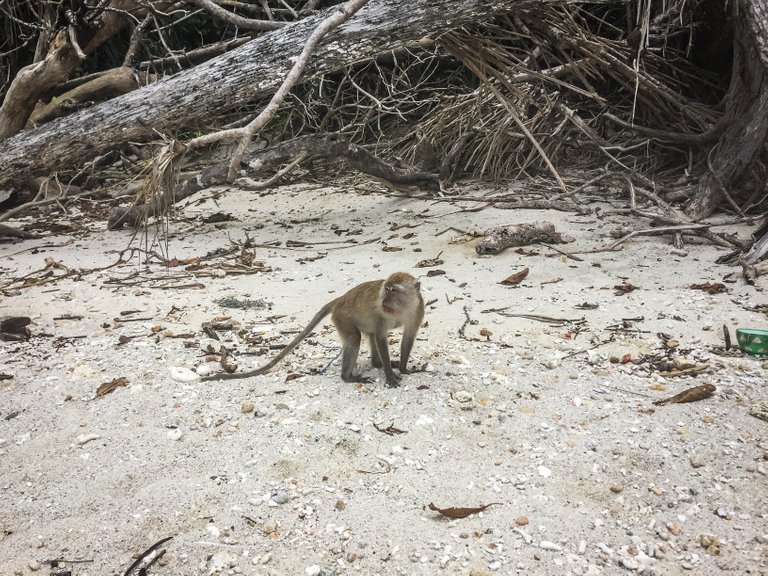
{"points": [[324, 311]]}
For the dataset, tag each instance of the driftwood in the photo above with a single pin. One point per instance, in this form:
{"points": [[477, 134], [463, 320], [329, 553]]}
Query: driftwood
{"points": [[237, 78], [14, 328], [408, 180], [503, 237], [759, 249], [10, 232]]}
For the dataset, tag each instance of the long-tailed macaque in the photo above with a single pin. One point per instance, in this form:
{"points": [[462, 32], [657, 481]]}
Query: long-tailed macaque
{"points": [[372, 308]]}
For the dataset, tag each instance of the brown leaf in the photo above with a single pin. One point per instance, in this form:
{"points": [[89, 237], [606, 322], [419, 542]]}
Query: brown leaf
{"points": [[392, 249], [435, 273], [429, 262], [625, 288], [108, 387], [689, 395], [461, 512], [390, 430], [716, 288], [516, 278]]}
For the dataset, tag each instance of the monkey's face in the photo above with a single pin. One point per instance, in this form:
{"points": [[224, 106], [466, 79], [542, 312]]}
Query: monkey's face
{"points": [[399, 295]]}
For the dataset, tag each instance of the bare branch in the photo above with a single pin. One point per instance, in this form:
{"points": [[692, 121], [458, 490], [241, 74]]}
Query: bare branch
{"points": [[234, 19]]}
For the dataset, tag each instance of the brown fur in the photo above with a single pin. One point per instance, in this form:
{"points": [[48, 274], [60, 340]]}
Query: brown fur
{"points": [[371, 308]]}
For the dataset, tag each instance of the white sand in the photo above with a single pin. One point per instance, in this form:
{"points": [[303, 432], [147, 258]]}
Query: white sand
{"points": [[306, 484]]}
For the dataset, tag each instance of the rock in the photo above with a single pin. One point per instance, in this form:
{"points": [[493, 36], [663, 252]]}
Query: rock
{"points": [[280, 497], [182, 374], [221, 561], [313, 570], [696, 461], [674, 528], [269, 527], [247, 407], [203, 370], [85, 438]]}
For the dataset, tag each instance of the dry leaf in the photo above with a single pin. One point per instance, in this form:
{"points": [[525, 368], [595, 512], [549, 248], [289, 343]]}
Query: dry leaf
{"points": [[690, 395], [716, 288], [460, 512], [108, 387], [429, 262], [516, 278], [625, 288]]}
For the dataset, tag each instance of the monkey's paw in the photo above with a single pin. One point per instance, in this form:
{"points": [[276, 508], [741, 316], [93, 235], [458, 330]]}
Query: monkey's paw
{"points": [[393, 380]]}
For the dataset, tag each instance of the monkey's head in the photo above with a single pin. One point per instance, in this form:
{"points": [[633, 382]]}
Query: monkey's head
{"points": [[400, 293]]}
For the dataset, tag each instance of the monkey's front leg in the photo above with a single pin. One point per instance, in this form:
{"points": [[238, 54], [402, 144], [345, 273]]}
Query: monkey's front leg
{"points": [[393, 380]]}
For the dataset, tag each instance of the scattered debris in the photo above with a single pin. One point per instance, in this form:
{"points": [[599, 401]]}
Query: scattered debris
{"points": [[15, 328], [716, 288], [146, 556], [461, 512], [516, 278], [111, 386], [389, 430], [625, 288], [690, 395], [430, 262], [500, 238]]}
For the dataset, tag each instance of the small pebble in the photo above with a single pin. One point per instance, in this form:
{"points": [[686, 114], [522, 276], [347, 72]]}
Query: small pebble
{"points": [[547, 545], [616, 488], [462, 396], [674, 528], [280, 497], [34, 565], [521, 521], [629, 563], [247, 407], [85, 438], [182, 374], [313, 570], [696, 461], [269, 527]]}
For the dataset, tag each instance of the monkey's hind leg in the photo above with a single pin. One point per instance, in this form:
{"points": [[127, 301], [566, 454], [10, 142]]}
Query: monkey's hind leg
{"points": [[350, 348]]}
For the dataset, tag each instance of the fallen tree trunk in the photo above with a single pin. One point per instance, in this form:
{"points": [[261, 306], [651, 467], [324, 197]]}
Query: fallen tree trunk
{"points": [[234, 79]]}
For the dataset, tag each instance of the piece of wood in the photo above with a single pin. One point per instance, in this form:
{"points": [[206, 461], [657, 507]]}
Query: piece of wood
{"points": [[234, 79], [502, 237]]}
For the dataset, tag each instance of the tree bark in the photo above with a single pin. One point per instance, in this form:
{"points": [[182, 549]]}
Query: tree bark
{"points": [[37, 80], [746, 111], [234, 79]]}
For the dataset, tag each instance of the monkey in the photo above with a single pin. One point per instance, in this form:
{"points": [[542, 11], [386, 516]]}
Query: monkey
{"points": [[371, 308]]}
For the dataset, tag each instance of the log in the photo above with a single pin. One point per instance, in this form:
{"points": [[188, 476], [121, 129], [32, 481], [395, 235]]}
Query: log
{"points": [[236, 78], [498, 239]]}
